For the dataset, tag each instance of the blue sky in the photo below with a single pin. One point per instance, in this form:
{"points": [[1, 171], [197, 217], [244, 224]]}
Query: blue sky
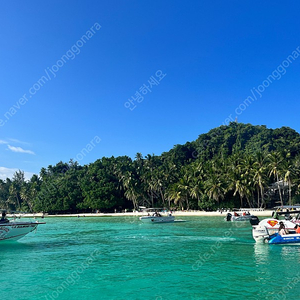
{"points": [[67, 96]]}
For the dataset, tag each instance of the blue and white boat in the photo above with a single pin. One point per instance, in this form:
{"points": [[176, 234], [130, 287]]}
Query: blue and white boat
{"points": [[267, 232]]}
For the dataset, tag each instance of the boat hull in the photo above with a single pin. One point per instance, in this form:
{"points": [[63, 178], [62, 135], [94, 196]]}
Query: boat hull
{"points": [[13, 231], [241, 218], [162, 219], [285, 239]]}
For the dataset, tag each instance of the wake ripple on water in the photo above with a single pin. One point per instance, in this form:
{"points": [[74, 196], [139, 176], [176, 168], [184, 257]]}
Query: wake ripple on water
{"points": [[177, 238], [211, 238]]}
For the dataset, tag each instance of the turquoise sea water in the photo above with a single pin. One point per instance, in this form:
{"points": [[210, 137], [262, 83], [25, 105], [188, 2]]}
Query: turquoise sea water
{"points": [[120, 258]]}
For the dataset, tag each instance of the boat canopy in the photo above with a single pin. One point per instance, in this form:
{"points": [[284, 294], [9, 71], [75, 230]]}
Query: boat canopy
{"points": [[296, 206], [154, 209], [287, 212]]}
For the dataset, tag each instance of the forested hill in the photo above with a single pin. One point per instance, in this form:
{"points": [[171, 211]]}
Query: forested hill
{"points": [[224, 141], [230, 166]]}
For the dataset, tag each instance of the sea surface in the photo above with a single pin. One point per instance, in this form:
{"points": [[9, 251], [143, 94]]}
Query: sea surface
{"points": [[121, 258]]}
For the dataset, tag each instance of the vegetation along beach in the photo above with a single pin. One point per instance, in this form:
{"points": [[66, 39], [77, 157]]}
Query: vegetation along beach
{"points": [[239, 165]]}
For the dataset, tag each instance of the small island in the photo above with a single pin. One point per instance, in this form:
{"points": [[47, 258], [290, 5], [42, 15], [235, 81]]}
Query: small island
{"points": [[233, 166]]}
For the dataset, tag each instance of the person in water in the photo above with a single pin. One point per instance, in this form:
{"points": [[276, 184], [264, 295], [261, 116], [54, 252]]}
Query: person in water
{"points": [[281, 230]]}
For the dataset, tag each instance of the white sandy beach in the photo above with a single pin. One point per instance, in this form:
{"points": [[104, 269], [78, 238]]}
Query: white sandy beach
{"points": [[265, 213]]}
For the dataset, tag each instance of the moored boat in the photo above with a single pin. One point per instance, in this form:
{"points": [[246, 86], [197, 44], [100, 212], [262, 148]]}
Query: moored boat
{"points": [[238, 217], [267, 232], [12, 230], [157, 215], [157, 219], [290, 212]]}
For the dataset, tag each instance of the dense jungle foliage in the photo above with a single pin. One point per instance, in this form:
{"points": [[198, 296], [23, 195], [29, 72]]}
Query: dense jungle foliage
{"points": [[239, 165]]}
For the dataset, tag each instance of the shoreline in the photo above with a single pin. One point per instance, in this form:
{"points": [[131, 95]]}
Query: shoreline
{"points": [[261, 213]]}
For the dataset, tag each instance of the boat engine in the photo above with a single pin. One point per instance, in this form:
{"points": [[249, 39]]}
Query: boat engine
{"points": [[254, 220], [260, 233], [228, 217]]}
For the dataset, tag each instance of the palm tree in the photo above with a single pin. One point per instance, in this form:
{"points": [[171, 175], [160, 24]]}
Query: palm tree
{"points": [[159, 185], [197, 188], [296, 172], [132, 195], [26, 193], [131, 188], [247, 172], [275, 165], [242, 188], [4, 192], [184, 187], [214, 186], [289, 173], [14, 196], [174, 193], [259, 176]]}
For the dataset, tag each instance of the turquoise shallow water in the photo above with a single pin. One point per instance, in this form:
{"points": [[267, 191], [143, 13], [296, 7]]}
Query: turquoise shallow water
{"points": [[120, 258]]}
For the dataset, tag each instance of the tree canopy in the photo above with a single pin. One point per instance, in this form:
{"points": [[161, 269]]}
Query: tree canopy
{"points": [[237, 165]]}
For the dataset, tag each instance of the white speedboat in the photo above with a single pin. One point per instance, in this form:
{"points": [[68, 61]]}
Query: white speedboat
{"points": [[267, 232], [12, 230], [158, 219]]}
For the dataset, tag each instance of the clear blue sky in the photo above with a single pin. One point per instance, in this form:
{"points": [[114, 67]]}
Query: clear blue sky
{"points": [[215, 54]]}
